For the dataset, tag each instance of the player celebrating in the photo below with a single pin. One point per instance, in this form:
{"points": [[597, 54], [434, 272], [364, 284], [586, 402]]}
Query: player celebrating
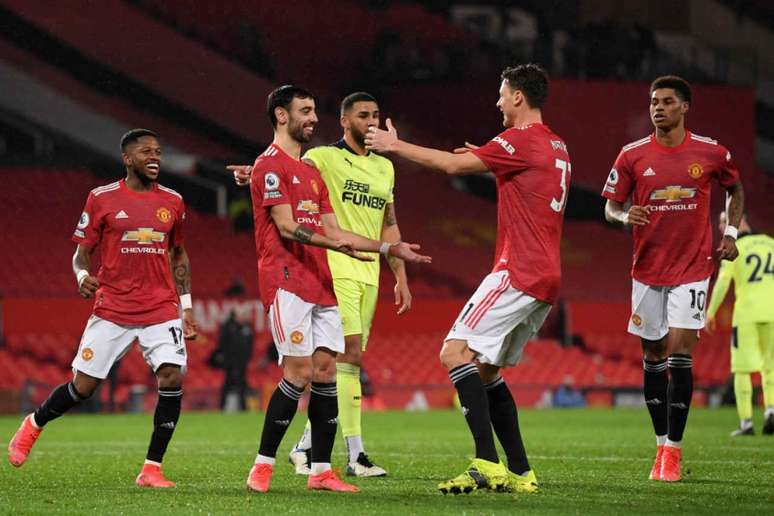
{"points": [[139, 226], [752, 343], [668, 176], [532, 170], [361, 185], [294, 223]]}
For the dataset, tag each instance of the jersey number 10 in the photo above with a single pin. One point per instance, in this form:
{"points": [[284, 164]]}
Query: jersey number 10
{"points": [[566, 168]]}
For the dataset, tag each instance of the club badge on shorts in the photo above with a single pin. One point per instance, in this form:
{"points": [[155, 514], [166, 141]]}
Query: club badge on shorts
{"points": [[296, 337], [637, 320], [87, 354]]}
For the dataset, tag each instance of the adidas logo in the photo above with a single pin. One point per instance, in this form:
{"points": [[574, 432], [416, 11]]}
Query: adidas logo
{"points": [[282, 422], [296, 181], [181, 351], [334, 421], [649, 172], [655, 402], [679, 405], [465, 411], [169, 424], [697, 316], [122, 215]]}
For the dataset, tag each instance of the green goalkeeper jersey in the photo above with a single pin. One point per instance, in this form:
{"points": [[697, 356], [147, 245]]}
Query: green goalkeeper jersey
{"points": [[360, 188], [753, 275]]}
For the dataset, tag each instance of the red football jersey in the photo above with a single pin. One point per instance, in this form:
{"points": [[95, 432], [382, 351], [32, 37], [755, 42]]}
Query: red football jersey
{"points": [[674, 183], [532, 170], [287, 264], [135, 231]]}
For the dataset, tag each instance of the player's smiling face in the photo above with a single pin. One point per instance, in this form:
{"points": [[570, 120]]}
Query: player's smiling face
{"points": [[507, 103], [144, 158], [360, 116], [666, 108], [302, 118]]}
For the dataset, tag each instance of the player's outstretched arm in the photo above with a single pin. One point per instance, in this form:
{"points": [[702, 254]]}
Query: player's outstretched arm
{"points": [[727, 249], [398, 249], [451, 163], [391, 233], [635, 216], [181, 274], [242, 174], [282, 215], [87, 284]]}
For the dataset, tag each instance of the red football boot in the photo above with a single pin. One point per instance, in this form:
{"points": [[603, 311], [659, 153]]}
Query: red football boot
{"points": [[655, 471], [21, 444], [260, 477], [670, 467], [151, 476], [328, 481]]}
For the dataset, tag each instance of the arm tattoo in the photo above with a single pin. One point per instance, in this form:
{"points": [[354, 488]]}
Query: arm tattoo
{"points": [[181, 272], [389, 215], [303, 234], [736, 206]]}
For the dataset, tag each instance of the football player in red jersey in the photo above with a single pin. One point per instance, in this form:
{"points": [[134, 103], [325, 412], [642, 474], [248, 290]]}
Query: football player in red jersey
{"points": [[668, 178], [532, 171], [138, 225], [294, 225]]}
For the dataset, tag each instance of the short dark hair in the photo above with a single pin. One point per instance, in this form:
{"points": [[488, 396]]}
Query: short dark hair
{"points": [[283, 97], [134, 135], [531, 80], [680, 85], [358, 96]]}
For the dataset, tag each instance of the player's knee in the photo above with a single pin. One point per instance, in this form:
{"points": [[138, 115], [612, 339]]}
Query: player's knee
{"points": [[325, 372], [299, 374], [169, 376], [654, 349], [452, 355], [85, 385]]}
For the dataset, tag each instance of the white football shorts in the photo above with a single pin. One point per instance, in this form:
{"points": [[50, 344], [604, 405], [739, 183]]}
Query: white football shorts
{"points": [[498, 320], [299, 328], [104, 343], [656, 309]]}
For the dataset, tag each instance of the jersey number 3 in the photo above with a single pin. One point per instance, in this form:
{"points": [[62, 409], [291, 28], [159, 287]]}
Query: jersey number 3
{"points": [[565, 168]]}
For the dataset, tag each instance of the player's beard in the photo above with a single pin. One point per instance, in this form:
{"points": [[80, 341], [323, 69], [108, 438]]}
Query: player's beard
{"points": [[357, 136], [142, 176], [296, 131]]}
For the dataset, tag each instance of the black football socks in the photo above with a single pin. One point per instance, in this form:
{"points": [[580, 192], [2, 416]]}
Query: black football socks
{"points": [[61, 399], [323, 411], [282, 407], [680, 393], [475, 407], [654, 388], [165, 420], [505, 420]]}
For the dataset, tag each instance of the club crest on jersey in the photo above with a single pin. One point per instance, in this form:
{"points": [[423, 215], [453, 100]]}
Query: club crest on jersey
{"points": [[87, 354], [308, 206], [143, 236], [271, 181], [296, 337], [164, 215], [673, 194], [83, 221], [315, 188], [695, 170], [637, 320]]}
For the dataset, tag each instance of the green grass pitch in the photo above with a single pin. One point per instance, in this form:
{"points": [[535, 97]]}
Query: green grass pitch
{"points": [[587, 462]]}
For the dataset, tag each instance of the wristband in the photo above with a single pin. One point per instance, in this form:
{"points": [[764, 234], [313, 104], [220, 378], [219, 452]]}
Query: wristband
{"points": [[82, 274], [731, 231], [185, 302], [385, 248]]}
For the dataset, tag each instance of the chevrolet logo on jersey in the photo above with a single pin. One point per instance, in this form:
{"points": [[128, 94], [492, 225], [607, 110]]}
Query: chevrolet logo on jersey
{"points": [[145, 236], [308, 206], [673, 194]]}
